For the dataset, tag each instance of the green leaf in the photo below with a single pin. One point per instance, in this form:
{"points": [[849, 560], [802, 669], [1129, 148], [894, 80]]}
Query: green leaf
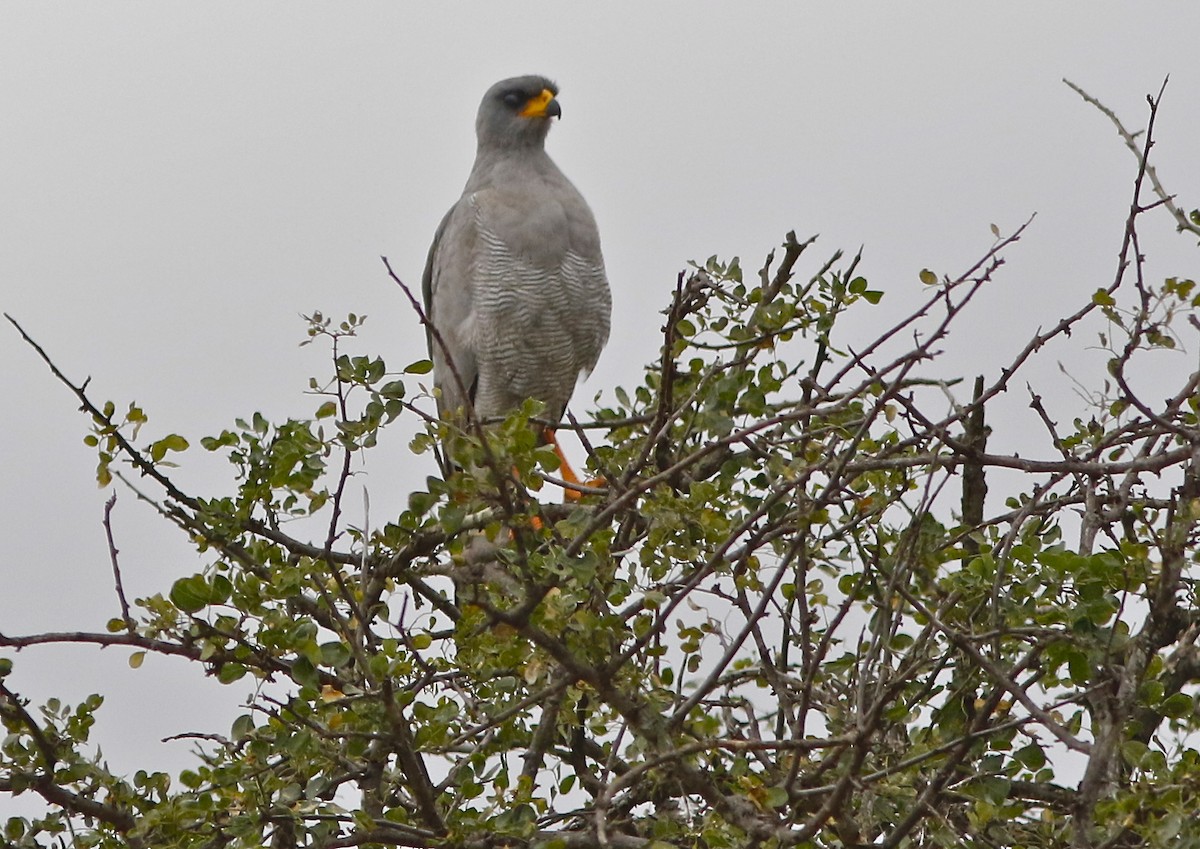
{"points": [[419, 367], [329, 408], [1080, 668], [230, 672], [15, 828], [242, 726], [219, 590], [393, 389], [171, 442], [334, 654], [212, 443], [1134, 751], [1103, 298], [190, 594], [1031, 757], [1177, 706], [421, 641], [304, 673], [103, 474], [135, 659], [928, 277]]}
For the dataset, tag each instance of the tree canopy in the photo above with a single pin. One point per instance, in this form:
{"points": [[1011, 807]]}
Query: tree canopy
{"points": [[794, 609]]}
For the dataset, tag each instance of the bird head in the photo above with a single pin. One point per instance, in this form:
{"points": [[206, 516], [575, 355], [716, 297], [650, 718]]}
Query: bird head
{"points": [[516, 112]]}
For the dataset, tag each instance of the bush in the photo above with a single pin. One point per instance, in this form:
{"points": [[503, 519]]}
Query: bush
{"points": [[786, 615]]}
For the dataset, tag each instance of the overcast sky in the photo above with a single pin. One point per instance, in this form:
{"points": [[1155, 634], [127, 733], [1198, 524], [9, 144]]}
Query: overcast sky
{"points": [[179, 182]]}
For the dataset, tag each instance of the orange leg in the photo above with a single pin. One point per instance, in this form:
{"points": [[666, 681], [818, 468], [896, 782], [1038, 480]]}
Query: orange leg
{"points": [[566, 472]]}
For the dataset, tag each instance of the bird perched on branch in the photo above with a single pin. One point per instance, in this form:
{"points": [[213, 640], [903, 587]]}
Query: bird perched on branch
{"points": [[515, 291]]}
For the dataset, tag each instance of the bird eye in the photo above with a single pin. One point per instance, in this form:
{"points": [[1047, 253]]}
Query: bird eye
{"points": [[514, 98]]}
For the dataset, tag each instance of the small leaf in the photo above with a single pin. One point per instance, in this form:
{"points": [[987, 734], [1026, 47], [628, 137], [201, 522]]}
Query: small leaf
{"points": [[242, 726], [304, 673], [928, 277], [329, 408], [419, 367], [230, 672], [995, 231], [334, 654], [1031, 756], [190, 594], [421, 641], [170, 442], [329, 693], [777, 796], [135, 659], [220, 590], [1177, 706], [1103, 298], [212, 443], [392, 389]]}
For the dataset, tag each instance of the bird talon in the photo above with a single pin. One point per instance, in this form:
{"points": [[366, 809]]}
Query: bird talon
{"points": [[570, 494]]}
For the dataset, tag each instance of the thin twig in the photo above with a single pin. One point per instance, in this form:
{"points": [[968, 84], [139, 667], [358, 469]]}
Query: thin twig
{"points": [[130, 625]]}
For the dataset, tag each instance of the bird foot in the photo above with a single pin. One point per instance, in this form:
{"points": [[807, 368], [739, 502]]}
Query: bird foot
{"points": [[567, 473], [577, 494]]}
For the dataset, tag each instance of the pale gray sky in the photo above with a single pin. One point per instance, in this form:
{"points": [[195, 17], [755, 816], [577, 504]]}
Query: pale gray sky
{"points": [[179, 181]]}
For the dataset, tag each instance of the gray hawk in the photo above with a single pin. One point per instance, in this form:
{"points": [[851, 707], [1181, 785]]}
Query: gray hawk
{"points": [[514, 285]]}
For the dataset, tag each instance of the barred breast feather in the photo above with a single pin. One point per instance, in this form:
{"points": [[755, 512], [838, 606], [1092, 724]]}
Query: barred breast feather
{"points": [[534, 328]]}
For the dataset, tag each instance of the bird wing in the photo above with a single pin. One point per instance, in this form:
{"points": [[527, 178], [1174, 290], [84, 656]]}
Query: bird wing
{"points": [[447, 291]]}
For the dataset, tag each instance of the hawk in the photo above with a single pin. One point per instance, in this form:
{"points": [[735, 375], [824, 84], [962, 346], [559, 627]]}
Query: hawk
{"points": [[514, 286]]}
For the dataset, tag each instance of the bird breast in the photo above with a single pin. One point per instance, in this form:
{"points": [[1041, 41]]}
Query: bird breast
{"points": [[540, 309]]}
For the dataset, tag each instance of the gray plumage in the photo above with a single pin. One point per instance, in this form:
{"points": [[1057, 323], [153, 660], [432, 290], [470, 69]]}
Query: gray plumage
{"points": [[515, 282]]}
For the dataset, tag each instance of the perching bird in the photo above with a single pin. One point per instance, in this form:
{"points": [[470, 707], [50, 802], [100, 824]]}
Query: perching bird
{"points": [[515, 285]]}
